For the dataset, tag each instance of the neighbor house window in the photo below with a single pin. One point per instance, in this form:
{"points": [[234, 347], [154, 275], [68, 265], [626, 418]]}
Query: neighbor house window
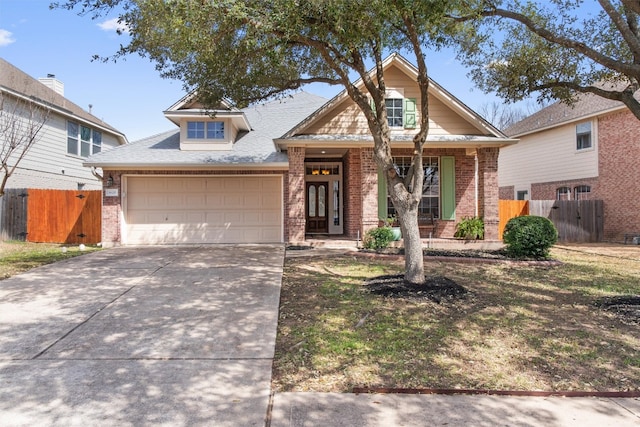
{"points": [[394, 112], [583, 136], [563, 193], [522, 195], [582, 192], [430, 202], [83, 140], [208, 130]]}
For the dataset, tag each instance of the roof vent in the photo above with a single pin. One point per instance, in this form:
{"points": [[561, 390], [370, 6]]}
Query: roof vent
{"points": [[52, 83]]}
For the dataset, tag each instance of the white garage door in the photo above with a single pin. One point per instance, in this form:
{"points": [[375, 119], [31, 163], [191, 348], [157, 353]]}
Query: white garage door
{"points": [[234, 209]]}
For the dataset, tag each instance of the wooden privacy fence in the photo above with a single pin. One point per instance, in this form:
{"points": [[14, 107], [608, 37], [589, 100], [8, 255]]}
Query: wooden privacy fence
{"points": [[577, 221], [52, 216]]}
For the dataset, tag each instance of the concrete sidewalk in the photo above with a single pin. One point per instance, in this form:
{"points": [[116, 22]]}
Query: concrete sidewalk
{"points": [[170, 336], [412, 410]]}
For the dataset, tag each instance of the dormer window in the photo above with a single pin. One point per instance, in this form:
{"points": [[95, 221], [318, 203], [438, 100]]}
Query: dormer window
{"points": [[205, 130]]}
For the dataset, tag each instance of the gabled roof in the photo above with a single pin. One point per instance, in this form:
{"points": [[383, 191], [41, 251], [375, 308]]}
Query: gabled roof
{"points": [[189, 106], [252, 149], [434, 90], [17, 83], [587, 105]]}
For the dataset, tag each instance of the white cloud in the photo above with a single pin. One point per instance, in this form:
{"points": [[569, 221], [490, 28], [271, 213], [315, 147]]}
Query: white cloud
{"points": [[5, 37], [114, 25]]}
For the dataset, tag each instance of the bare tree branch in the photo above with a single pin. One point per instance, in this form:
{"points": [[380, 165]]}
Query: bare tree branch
{"points": [[21, 123]]}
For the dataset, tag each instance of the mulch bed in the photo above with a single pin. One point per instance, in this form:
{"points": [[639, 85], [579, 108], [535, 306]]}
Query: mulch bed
{"points": [[626, 307], [436, 289]]}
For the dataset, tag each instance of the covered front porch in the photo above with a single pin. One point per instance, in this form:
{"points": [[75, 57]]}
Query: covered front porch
{"points": [[337, 194]]}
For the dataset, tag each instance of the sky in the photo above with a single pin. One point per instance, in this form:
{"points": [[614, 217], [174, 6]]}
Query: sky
{"points": [[130, 95]]}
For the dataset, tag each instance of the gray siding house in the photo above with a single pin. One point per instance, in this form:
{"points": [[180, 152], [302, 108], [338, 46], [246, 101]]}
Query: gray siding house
{"points": [[70, 135]]}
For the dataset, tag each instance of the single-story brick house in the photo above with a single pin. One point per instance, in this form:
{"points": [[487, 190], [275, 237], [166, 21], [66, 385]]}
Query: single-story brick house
{"points": [[296, 167]]}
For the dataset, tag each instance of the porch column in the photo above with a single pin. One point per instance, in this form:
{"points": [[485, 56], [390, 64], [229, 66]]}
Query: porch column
{"points": [[488, 191], [111, 211], [369, 174], [295, 221]]}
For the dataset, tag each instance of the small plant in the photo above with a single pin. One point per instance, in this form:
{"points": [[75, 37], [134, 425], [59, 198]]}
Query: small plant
{"points": [[378, 238], [529, 236], [470, 228], [387, 222]]}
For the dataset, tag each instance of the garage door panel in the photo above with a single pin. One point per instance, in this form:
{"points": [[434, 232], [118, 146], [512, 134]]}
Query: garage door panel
{"points": [[233, 201], [238, 209]]}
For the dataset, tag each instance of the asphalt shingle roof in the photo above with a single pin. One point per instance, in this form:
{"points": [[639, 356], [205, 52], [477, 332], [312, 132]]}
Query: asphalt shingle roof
{"points": [[256, 147], [587, 105], [18, 81]]}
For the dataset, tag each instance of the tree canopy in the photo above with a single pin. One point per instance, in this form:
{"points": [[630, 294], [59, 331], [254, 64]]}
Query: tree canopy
{"points": [[554, 49]]}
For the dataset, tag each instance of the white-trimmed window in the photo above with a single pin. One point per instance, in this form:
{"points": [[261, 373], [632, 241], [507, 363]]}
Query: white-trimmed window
{"points": [[395, 115], [82, 140], [205, 130], [583, 136], [563, 193], [582, 192], [522, 195], [430, 203]]}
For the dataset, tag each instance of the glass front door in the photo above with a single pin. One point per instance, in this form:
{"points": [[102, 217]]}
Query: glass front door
{"points": [[316, 209]]}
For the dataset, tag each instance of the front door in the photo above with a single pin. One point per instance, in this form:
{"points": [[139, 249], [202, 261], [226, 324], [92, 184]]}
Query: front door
{"points": [[316, 209]]}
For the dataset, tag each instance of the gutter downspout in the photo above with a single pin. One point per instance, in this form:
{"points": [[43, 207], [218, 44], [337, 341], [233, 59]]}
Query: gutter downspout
{"points": [[477, 174]]}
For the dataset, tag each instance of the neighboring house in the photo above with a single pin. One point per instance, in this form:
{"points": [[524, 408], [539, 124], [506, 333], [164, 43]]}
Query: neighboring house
{"points": [[69, 136], [580, 152], [296, 167]]}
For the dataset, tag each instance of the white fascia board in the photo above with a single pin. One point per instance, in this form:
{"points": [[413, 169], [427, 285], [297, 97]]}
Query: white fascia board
{"points": [[237, 117], [188, 166], [449, 141]]}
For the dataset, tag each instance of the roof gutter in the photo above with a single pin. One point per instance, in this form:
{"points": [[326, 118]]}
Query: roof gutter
{"points": [[188, 166]]}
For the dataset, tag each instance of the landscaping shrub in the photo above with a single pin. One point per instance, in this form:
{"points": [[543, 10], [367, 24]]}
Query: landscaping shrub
{"points": [[529, 236], [378, 238], [470, 228]]}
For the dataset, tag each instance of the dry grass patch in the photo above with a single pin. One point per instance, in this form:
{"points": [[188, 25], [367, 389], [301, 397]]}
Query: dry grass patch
{"points": [[18, 257], [518, 328]]}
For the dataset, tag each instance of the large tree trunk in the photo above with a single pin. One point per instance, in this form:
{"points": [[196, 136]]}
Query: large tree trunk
{"points": [[413, 257]]}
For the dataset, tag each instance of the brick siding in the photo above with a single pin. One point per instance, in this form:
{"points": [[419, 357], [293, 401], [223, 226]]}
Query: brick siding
{"points": [[619, 171], [507, 192]]}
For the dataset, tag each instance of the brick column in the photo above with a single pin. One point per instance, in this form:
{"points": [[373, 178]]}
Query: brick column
{"points": [[488, 191], [111, 211], [295, 218], [369, 194], [352, 193]]}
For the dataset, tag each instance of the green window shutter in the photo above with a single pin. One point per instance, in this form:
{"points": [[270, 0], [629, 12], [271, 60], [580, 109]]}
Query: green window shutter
{"points": [[382, 195], [448, 187], [410, 112]]}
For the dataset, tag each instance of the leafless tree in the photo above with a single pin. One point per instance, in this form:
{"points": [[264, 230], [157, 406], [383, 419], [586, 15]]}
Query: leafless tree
{"points": [[21, 121], [504, 115]]}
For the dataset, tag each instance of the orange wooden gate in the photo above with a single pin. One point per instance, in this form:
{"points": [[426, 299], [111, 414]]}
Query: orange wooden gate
{"points": [[511, 209], [64, 216]]}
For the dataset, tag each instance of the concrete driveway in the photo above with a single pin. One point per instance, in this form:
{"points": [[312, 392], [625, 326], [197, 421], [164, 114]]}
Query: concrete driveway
{"points": [[141, 336]]}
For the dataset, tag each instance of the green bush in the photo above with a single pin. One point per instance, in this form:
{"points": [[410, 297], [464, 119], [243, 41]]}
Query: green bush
{"points": [[378, 238], [529, 236], [470, 228]]}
